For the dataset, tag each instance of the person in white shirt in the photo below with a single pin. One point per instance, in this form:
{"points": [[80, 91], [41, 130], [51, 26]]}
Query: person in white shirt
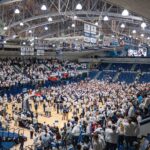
{"points": [[98, 142], [111, 137], [76, 133]]}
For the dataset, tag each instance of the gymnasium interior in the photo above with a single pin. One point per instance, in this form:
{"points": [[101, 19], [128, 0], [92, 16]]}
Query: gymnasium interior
{"points": [[74, 74]]}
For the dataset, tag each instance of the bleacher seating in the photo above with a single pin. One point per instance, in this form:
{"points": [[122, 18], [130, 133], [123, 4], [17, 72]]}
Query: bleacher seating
{"points": [[103, 66], [125, 72], [92, 74], [106, 75], [145, 78], [143, 67], [128, 77], [117, 66]]}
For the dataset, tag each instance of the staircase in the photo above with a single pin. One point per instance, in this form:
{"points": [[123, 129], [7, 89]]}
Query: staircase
{"points": [[46, 66], [116, 76], [97, 75], [17, 69], [133, 67], [108, 67]]}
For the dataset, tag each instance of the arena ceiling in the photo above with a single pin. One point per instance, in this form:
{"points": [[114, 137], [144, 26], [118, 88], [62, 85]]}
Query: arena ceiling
{"points": [[61, 18], [141, 7]]}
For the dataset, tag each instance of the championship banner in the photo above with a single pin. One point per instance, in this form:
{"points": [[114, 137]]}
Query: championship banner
{"points": [[90, 33], [27, 51], [87, 28], [93, 30], [40, 52]]}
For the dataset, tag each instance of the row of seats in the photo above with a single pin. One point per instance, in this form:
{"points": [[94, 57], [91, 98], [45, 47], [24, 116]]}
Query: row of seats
{"points": [[128, 77], [110, 71], [107, 75], [125, 67]]}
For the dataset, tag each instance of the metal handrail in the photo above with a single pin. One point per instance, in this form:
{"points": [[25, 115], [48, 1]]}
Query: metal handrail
{"points": [[29, 147], [21, 130]]}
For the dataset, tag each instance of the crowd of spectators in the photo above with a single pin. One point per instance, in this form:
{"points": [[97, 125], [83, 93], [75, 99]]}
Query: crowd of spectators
{"points": [[19, 71], [104, 115]]}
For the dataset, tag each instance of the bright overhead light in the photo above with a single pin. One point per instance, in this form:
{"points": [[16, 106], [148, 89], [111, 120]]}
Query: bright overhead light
{"points": [[17, 11], [148, 38], [112, 36], [79, 6], [142, 35], [106, 18], [122, 25], [130, 36], [21, 24], [30, 31], [75, 17], [96, 23], [50, 19], [24, 43], [125, 12], [134, 31], [14, 36], [4, 42], [43, 7], [32, 44], [36, 38], [32, 39], [46, 28], [5, 28], [143, 25], [73, 25]]}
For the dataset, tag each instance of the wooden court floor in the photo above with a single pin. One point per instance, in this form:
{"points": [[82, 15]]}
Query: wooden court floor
{"points": [[41, 119]]}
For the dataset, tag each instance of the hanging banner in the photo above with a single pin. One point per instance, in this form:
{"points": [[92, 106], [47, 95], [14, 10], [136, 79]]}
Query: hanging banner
{"points": [[27, 51], [40, 52], [90, 33], [87, 28]]}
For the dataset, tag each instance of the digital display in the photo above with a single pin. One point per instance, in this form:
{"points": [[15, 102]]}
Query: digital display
{"points": [[141, 52]]}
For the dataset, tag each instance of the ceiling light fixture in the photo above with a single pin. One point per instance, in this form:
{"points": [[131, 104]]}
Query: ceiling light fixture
{"points": [[75, 17], [142, 35], [134, 31], [17, 11], [43, 7], [4, 42], [73, 25], [96, 23], [14, 36], [30, 31], [32, 44], [106, 18], [46, 28], [125, 12], [122, 25], [5, 28], [24, 43], [21, 24], [50, 19], [143, 25], [79, 7]]}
